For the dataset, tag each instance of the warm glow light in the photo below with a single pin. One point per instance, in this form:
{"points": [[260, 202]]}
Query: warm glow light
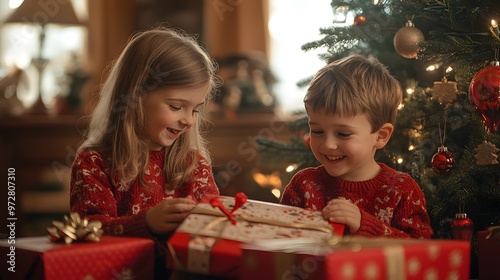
{"points": [[276, 192], [401, 106], [291, 168], [411, 148], [400, 160], [495, 29], [267, 180], [410, 90], [432, 67], [14, 4], [20, 60], [449, 69]]}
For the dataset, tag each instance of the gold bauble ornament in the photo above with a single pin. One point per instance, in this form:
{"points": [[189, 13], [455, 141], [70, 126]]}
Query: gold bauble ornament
{"points": [[407, 40]]}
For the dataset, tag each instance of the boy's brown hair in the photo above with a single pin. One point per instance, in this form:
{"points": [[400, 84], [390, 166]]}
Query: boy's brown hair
{"points": [[356, 85]]}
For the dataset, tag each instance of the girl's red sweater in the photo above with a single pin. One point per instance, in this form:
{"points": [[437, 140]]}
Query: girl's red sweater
{"points": [[122, 207]]}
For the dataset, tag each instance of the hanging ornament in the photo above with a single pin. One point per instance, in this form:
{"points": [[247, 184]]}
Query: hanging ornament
{"points": [[359, 20], [443, 160], [486, 153], [462, 227], [407, 40], [445, 92], [484, 95]]}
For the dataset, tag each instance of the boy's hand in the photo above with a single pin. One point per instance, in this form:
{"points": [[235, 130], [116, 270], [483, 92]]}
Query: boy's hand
{"points": [[169, 214], [344, 212]]}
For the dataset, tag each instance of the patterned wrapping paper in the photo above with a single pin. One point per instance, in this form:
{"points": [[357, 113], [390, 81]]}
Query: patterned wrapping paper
{"points": [[258, 221], [207, 243], [110, 258], [357, 259]]}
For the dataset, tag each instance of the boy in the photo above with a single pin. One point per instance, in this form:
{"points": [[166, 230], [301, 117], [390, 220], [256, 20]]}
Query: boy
{"points": [[351, 105]]}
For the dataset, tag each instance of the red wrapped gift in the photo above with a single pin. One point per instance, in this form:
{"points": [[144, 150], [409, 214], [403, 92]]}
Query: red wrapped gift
{"points": [[110, 258], [209, 239], [488, 250], [357, 258]]}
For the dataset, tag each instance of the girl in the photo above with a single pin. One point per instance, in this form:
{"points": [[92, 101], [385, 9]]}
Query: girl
{"points": [[144, 163]]}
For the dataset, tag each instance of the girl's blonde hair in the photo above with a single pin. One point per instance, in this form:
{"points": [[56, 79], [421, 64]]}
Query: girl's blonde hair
{"points": [[153, 59], [356, 85]]}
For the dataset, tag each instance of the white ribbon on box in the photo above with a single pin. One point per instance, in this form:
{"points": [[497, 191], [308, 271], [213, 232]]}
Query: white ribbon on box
{"points": [[200, 262], [395, 256]]}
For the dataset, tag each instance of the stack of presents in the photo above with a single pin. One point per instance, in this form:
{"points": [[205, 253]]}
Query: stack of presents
{"points": [[236, 238]]}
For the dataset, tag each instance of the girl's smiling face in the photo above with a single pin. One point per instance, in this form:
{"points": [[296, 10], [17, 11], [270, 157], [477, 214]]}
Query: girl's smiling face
{"points": [[345, 145], [169, 112]]}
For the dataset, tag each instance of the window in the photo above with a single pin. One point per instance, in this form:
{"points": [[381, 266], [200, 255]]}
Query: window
{"points": [[63, 48], [292, 23]]}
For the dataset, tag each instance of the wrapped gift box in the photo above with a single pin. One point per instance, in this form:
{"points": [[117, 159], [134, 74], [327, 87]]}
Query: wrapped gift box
{"points": [[357, 258], [488, 250], [110, 258], [208, 243]]}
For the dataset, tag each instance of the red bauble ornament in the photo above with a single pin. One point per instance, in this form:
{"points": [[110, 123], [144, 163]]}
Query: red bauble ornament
{"points": [[484, 95], [462, 227], [359, 20], [442, 161]]}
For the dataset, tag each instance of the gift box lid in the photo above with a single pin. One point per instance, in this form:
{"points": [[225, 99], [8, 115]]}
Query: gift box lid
{"points": [[257, 220]]}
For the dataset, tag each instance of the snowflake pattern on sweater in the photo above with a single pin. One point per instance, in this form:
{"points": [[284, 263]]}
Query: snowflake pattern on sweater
{"points": [[121, 207], [391, 204]]}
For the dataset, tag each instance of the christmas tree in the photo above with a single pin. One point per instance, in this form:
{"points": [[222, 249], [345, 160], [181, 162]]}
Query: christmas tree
{"points": [[446, 134]]}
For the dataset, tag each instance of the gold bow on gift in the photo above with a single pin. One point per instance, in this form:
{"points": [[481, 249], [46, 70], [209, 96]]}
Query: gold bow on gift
{"points": [[75, 228]]}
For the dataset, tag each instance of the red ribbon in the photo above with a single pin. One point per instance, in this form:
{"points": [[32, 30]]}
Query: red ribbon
{"points": [[239, 200]]}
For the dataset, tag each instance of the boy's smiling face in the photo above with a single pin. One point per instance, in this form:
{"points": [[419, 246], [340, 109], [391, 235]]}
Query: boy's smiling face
{"points": [[345, 145]]}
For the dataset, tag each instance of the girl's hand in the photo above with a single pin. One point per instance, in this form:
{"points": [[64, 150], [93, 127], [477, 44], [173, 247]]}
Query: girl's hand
{"points": [[169, 214], [343, 212]]}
